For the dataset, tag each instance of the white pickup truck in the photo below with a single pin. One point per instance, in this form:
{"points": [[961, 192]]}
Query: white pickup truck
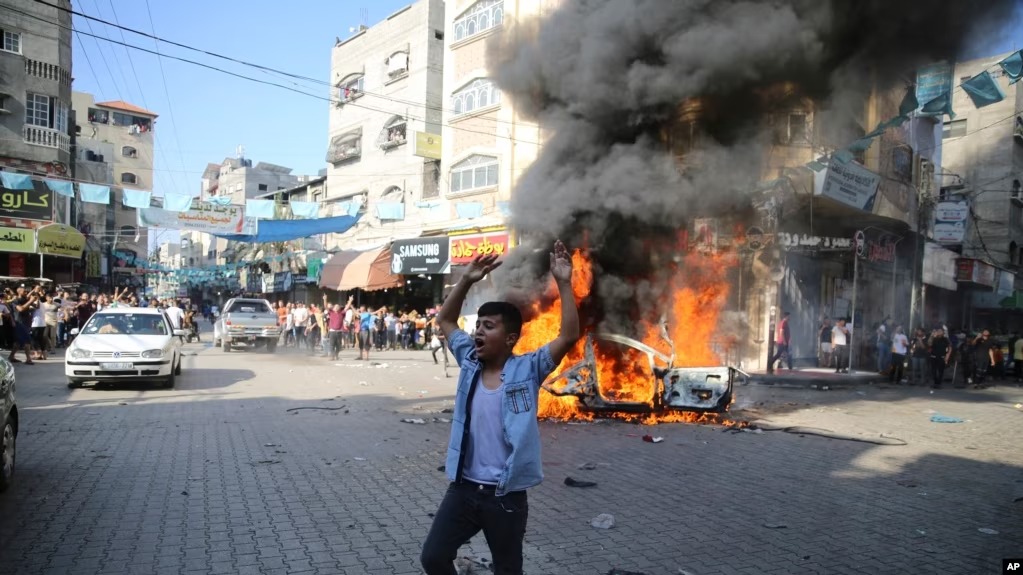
{"points": [[248, 321]]}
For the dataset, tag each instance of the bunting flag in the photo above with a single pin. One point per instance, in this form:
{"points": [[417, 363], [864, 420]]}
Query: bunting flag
{"points": [[304, 209], [94, 193], [390, 210], [940, 106], [348, 209], [177, 202], [469, 210], [136, 198], [1013, 66], [262, 209], [219, 200], [61, 187], [13, 181], [504, 208], [983, 90]]}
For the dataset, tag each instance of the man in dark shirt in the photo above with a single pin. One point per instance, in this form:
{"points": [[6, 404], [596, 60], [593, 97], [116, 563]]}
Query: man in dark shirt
{"points": [[84, 310], [983, 358], [941, 351], [335, 317], [24, 306]]}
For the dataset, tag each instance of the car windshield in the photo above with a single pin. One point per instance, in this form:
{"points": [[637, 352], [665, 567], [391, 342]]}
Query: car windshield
{"points": [[249, 307], [126, 324]]}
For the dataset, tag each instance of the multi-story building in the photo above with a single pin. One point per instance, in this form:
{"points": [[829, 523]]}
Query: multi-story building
{"points": [[385, 122], [35, 99], [239, 179], [120, 136], [982, 158], [169, 256]]}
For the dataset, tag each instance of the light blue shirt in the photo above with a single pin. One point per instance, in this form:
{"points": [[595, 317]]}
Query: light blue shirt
{"points": [[520, 385], [488, 451]]}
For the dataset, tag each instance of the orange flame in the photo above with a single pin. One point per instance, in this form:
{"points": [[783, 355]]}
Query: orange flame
{"points": [[698, 293]]}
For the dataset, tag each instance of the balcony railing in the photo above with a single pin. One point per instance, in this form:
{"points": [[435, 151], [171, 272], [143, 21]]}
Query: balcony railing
{"points": [[47, 71], [38, 136]]}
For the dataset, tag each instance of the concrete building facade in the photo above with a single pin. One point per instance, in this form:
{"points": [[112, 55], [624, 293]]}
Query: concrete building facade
{"points": [[385, 119], [239, 179], [115, 146]]}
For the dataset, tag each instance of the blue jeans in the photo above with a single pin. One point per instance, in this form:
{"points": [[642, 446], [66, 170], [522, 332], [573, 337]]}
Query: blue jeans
{"points": [[61, 333], [884, 357], [919, 369]]}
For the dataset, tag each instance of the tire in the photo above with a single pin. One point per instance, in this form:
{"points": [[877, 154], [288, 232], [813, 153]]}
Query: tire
{"points": [[7, 455], [177, 368], [170, 380], [225, 345], [271, 346], [73, 383]]}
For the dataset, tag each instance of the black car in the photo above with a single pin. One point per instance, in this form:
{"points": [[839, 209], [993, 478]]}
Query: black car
{"points": [[9, 419]]}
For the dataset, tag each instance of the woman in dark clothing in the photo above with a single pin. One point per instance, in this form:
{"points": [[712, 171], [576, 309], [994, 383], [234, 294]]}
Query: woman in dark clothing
{"points": [[941, 350]]}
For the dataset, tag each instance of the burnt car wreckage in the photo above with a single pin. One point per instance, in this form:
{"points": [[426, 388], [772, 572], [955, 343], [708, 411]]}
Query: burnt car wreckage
{"points": [[699, 389]]}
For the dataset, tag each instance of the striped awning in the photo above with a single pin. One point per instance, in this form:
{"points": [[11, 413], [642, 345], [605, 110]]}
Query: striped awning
{"points": [[365, 270]]}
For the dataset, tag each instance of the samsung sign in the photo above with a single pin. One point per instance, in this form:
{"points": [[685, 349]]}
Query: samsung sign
{"points": [[421, 256]]}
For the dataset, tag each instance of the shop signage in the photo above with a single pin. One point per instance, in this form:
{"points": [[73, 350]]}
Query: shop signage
{"points": [[950, 222], [124, 261], [421, 256], [465, 248], [851, 184], [202, 217], [282, 282], [60, 240], [31, 204], [882, 250], [428, 145], [1006, 283], [93, 262], [253, 282], [975, 271], [791, 241], [313, 267], [268, 283], [939, 267], [933, 81], [17, 240], [16, 265]]}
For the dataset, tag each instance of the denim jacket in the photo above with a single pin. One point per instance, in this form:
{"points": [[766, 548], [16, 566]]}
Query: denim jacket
{"points": [[521, 377]]}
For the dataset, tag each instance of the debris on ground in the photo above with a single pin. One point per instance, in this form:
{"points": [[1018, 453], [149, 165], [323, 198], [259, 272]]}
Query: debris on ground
{"points": [[578, 483], [323, 408], [360, 459], [441, 420], [652, 439], [939, 418], [266, 462], [472, 565], [776, 526], [587, 466], [414, 420], [988, 531], [271, 445], [617, 571], [603, 521]]}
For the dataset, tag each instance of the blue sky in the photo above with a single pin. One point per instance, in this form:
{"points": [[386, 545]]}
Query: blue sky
{"points": [[205, 115]]}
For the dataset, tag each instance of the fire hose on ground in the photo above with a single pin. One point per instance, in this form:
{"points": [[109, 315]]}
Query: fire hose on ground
{"points": [[882, 439]]}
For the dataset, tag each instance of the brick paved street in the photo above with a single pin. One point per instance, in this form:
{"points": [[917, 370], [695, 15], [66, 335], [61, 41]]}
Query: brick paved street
{"points": [[217, 476]]}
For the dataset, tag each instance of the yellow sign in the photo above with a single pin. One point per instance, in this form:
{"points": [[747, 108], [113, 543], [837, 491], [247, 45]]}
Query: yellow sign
{"points": [[17, 240], [427, 145], [92, 265], [60, 240]]}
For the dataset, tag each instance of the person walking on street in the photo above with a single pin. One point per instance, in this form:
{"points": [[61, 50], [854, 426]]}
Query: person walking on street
{"points": [[983, 358], [918, 358], [782, 337], [900, 347], [494, 451], [941, 351], [884, 345], [840, 345], [824, 339]]}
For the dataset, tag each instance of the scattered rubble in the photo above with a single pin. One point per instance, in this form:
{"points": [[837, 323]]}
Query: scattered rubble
{"points": [[652, 439], [579, 483], [988, 531], [587, 466], [414, 420], [776, 526], [939, 418]]}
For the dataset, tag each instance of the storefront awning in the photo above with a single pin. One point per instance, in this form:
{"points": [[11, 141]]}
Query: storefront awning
{"points": [[366, 270]]}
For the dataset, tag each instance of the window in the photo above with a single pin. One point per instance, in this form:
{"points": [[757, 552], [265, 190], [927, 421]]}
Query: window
{"points": [[262, 187], [350, 89], [100, 116], [129, 178], [480, 17], [345, 147], [37, 110], [128, 232], [954, 129], [129, 152], [3, 104], [474, 173], [136, 124], [393, 134], [1013, 252], [477, 94], [12, 41], [397, 65], [797, 128]]}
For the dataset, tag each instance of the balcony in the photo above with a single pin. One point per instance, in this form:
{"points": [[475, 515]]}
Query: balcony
{"points": [[46, 137], [47, 71]]}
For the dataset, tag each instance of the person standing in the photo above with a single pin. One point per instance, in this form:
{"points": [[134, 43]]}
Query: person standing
{"points": [[782, 337], [884, 345], [840, 346], [983, 358], [335, 325], [941, 351], [900, 347], [824, 340], [918, 358], [494, 449], [24, 307]]}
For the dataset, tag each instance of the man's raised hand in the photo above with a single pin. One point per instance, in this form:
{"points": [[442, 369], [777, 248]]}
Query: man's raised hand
{"points": [[561, 262], [481, 266]]}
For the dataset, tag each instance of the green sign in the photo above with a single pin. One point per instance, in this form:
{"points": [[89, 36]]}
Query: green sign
{"points": [[313, 268]]}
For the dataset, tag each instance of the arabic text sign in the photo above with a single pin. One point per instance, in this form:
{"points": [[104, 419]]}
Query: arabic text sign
{"points": [[851, 184], [60, 240], [34, 204], [204, 217], [939, 267], [933, 81], [465, 248], [950, 222], [17, 240]]}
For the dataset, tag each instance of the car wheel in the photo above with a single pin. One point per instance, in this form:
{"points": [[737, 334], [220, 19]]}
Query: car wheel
{"points": [[7, 453], [170, 380], [271, 346], [73, 383], [177, 368], [226, 346]]}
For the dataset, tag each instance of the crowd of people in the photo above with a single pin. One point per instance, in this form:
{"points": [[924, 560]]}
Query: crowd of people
{"points": [[336, 327]]}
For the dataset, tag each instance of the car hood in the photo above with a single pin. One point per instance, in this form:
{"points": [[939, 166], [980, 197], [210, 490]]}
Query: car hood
{"points": [[119, 342]]}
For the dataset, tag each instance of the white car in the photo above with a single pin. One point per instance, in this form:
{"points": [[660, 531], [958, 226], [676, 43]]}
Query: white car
{"points": [[125, 343]]}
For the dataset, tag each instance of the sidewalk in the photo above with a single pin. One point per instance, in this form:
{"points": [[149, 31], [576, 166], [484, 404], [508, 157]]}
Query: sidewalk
{"points": [[809, 377]]}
